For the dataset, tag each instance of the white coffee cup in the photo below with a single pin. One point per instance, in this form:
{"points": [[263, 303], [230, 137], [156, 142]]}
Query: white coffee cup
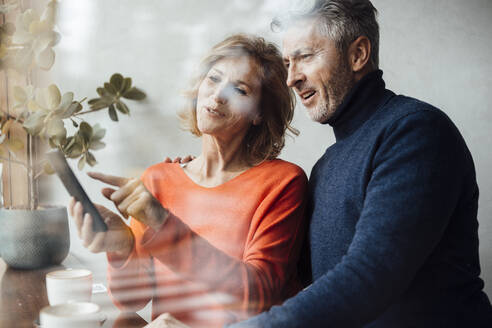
{"points": [[69, 285], [73, 315]]}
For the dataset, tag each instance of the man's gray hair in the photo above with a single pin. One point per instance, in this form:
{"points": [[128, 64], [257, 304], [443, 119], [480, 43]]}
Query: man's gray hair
{"points": [[343, 21]]}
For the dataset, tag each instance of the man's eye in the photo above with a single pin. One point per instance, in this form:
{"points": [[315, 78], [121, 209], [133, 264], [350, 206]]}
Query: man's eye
{"points": [[214, 78], [306, 56]]}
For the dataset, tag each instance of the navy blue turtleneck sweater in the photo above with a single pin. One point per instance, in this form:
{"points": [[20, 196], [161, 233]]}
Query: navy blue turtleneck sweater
{"points": [[393, 230]]}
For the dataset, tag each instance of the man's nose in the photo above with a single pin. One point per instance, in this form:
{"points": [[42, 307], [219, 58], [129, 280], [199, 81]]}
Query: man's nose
{"points": [[295, 76]]}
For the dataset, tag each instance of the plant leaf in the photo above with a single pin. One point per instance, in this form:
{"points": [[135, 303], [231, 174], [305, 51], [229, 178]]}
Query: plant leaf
{"points": [[52, 96], [117, 81], [56, 128], [96, 145], [134, 94], [109, 88], [34, 123], [85, 132], [126, 85], [100, 104], [57, 142], [112, 113], [98, 132], [101, 91], [46, 58], [93, 101], [69, 143], [91, 160], [122, 107], [74, 151], [74, 107], [81, 163], [65, 102]]}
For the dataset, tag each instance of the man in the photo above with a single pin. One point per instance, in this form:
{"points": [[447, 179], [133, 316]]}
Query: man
{"points": [[393, 231]]}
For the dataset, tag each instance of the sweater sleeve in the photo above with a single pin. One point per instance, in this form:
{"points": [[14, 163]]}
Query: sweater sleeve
{"points": [[130, 279], [271, 252], [415, 185]]}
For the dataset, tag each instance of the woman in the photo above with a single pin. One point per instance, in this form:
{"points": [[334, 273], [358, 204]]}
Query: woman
{"points": [[216, 240]]}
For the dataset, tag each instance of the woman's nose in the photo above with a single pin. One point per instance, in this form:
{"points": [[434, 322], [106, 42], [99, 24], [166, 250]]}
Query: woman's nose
{"points": [[221, 94]]}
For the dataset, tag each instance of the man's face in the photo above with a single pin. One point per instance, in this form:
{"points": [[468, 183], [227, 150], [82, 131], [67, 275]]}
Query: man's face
{"points": [[319, 75]]}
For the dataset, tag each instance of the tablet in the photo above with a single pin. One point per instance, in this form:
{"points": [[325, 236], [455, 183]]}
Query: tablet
{"points": [[72, 184]]}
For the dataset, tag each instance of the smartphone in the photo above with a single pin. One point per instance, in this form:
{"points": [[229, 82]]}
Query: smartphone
{"points": [[72, 184]]}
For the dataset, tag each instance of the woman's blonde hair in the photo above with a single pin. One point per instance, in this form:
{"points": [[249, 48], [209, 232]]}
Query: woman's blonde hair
{"points": [[265, 140]]}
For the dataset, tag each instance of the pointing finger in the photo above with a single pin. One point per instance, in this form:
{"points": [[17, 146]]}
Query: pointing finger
{"points": [[107, 192], [109, 179], [118, 196]]}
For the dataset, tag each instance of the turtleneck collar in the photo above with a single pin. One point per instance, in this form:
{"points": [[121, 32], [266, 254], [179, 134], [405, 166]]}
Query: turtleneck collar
{"points": [[358, 105]]}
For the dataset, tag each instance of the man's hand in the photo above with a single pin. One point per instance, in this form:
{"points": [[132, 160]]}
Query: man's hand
{"points": [[133, 199], [166, 320], [118, 238], [180, 160]]}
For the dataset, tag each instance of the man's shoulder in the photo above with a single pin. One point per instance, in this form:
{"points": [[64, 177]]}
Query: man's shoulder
{"points": [[401, 110], [401, 106]]}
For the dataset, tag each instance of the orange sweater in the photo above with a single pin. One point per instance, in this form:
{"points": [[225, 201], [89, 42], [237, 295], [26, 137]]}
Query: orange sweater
{"points": [[225, 252]]}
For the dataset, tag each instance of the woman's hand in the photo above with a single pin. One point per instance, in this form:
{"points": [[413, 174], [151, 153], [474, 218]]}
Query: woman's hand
{"points": [[133, 199], [166, 320], [117, 239]]}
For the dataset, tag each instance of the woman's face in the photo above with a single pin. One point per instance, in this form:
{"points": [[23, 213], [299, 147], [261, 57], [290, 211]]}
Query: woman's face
{"points": [[228, 98]]}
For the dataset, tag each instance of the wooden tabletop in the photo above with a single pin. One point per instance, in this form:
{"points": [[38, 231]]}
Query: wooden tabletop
{"points": [[23, 295]]}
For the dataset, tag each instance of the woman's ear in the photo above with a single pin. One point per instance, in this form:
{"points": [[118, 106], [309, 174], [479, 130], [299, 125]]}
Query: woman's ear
{"points": [[257, 120]]}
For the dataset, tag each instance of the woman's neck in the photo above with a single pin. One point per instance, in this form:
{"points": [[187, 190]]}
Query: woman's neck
{"points": [[219, 162]]}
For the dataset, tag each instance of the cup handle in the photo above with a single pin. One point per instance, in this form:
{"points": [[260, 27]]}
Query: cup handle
{"points": [[102, 318]]}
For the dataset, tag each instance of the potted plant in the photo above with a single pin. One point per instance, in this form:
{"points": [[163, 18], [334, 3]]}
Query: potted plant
{"points": [[34, 235]]}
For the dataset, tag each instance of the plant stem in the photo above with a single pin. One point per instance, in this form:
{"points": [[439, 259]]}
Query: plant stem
{"points": [[9, 160], [88, 111], [31, 158]]}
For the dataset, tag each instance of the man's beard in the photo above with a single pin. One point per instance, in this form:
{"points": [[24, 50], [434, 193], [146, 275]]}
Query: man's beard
{"points": [[340, 83]]}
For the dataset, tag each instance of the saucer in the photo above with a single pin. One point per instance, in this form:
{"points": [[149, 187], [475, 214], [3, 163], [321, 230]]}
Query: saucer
{"points": [[102, 320]]}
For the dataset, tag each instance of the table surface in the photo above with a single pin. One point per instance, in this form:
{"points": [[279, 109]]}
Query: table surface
{"points": [[23, 295]]}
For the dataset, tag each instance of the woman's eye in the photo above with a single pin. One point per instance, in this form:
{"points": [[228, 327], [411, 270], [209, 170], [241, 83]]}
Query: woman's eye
{"points": [[214, 78], [241, 91], [306, 56]]}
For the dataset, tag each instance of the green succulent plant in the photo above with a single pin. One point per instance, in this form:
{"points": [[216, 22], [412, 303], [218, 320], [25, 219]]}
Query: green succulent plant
{"points": [[44, 112], [110, 96]]}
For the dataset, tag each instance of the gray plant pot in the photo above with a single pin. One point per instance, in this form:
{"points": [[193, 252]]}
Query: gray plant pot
{"points": [[34, 239]]}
